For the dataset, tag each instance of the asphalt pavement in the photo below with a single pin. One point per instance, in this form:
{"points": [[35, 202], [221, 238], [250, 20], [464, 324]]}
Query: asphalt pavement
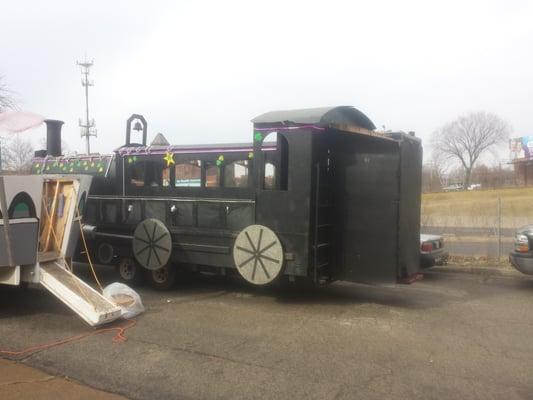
{"points": [[451, 335], [21, 382]]}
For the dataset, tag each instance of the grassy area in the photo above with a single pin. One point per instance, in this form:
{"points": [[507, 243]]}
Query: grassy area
{"points": [[516, 202]]}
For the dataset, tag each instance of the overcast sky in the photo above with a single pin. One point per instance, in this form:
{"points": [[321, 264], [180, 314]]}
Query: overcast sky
{"points": [[200, 70]]}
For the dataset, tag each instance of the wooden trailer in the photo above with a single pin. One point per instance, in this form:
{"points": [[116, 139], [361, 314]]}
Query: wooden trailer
{"points": [[318, 194]]}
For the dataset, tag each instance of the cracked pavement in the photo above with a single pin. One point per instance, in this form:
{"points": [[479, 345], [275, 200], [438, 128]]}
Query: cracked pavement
{"points": [[451, 335]]}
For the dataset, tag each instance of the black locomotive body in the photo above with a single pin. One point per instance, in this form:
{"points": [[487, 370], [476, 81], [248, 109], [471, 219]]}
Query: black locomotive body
{"points": [[318, 194]]}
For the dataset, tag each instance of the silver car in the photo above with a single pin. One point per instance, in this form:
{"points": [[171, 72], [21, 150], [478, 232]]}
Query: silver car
{"points": [[432, 251]]}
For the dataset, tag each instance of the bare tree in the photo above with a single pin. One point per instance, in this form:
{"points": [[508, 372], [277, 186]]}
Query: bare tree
{"points": [[17, 154], [468, 137], [6, 97]]}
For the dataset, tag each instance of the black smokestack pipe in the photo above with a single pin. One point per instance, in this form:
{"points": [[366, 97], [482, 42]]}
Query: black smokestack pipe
{"points": [[53, 137]]}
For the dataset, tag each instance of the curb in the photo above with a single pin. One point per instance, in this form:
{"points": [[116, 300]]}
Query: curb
{"points": [[476, 269]]}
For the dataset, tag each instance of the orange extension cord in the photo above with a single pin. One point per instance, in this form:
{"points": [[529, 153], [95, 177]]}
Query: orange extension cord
{"points": [[120, 337]]}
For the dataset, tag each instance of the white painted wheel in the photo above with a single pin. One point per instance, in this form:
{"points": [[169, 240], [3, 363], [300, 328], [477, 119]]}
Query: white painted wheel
{"points": [[258, 254], [152, 244]]}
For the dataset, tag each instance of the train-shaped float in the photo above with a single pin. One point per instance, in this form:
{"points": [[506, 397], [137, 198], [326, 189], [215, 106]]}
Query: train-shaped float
{"points": [[319, 194]]}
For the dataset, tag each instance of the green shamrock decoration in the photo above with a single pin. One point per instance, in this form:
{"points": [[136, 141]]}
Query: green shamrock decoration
{"points": [[258, 136], [250, 155]]}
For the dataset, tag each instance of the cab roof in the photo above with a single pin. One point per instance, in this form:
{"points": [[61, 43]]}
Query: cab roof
{"points": [[324, 117]]}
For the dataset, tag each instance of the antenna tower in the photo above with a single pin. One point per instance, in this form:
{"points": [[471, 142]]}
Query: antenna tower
{"points": [[87, 127]]}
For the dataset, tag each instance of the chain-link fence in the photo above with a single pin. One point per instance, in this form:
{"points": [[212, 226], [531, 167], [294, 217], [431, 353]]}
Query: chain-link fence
{"points": [[477, 225]]}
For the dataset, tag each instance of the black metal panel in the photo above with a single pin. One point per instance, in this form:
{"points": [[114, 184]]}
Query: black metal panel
{"points": [[155, 209], [210, 215], [239, 216], [183, 214], [365, 174], [409, 207], [287, 212]]}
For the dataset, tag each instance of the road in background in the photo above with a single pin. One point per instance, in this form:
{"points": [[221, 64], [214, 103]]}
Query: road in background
{"points": [[476, 242]]}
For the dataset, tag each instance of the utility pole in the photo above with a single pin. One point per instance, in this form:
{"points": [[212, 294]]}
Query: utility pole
{"points": [[88, 128]]}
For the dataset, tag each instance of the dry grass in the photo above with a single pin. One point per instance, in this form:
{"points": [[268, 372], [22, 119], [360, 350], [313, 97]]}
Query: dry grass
{"points": [[516, 202]]}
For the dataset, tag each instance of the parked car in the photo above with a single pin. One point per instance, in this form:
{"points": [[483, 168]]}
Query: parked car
{"points": [[522, 256], [456, 187], [432, 251]]}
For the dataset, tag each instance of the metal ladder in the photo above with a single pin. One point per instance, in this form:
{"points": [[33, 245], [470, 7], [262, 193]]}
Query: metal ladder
{"points": [[322, 241]]}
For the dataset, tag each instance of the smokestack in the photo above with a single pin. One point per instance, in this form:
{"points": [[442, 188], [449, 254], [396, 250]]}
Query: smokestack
{"points": [[53, 137]]}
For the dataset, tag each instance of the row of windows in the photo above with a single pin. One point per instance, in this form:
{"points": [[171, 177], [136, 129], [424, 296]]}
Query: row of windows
{"points": [[189, 174]]}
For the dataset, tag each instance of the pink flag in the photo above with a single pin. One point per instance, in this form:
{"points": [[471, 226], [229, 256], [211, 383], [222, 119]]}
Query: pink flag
{"points": [[19, 121]]}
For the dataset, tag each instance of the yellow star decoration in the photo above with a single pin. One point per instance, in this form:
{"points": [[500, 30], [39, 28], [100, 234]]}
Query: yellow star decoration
{"points": [[169, 158]]}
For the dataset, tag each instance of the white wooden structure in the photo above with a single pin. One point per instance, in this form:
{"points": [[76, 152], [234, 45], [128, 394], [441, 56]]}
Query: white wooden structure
{"points": [[39, 228]]}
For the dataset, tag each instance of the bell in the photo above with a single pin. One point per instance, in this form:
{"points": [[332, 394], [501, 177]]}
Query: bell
{"points": [[137, 126]]}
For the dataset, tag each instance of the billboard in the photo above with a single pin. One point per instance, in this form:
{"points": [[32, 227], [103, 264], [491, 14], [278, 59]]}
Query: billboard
{"points": [[521, 148]]}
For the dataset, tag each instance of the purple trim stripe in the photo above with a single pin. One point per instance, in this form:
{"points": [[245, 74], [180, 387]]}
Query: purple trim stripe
{"points": [[171, 149], [289, 128]]}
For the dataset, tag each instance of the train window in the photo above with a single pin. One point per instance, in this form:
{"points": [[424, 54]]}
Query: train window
{"points": [[149, 173], [269, 180], [275, 150], [165, 177], [137, 173], [21, 206], [189, 174], [212, 175], [236, 174]]}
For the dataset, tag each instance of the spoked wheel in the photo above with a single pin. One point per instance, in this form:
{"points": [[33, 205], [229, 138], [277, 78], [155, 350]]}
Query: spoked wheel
{"points": [[258, 254], [152, 244], [163, 278], [129, 271]]}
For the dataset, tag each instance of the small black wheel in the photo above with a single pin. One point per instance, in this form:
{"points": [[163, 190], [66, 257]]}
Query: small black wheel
{"points": [[105, 253], [129, 271], [163, 278]]}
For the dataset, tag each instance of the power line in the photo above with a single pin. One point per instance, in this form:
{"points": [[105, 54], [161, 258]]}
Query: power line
{"points": [[88, 128]]}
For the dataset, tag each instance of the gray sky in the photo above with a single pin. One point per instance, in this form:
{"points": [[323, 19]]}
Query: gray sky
{"points": [[200, 70]]}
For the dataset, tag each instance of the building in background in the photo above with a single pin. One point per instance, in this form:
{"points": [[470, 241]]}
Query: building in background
{"points": [[521, 156]]}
